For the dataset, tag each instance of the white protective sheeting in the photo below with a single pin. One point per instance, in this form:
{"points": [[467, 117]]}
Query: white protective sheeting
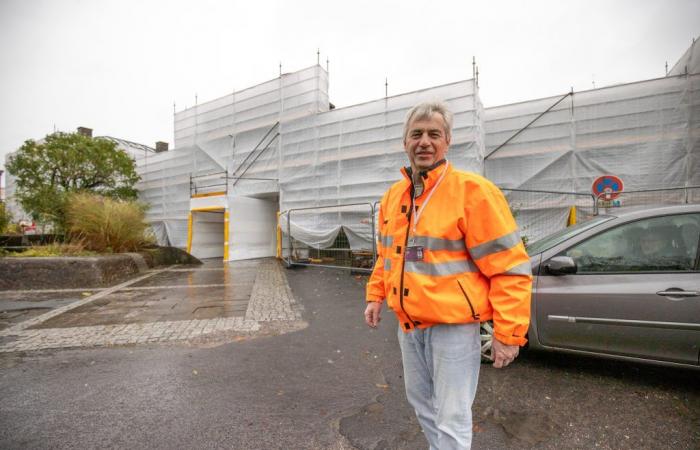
{"points": [[252, 228], [279, 140], [223, 136], [644, 132], [352, 155], [160, 233], [165, 188], [689, 62], [319, 227], [285, 98]]}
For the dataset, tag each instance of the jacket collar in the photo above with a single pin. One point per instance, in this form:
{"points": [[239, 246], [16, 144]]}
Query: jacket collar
{"points": [[430, 176]]}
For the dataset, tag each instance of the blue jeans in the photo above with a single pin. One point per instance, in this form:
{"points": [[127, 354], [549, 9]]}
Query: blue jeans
{"points": [[441, 370]]}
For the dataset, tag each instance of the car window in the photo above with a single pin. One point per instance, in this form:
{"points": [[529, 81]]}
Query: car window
{"points": [[659, 244], [562, 235]]}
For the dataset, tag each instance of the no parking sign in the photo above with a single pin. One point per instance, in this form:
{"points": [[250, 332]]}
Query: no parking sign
{"points": [[608, 186]]}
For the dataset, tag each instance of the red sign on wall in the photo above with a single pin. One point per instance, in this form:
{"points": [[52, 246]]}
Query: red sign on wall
{"points": [[607, 186]]}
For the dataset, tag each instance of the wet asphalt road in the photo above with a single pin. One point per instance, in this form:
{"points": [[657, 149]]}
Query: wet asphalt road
{"points": [[330, 385]]}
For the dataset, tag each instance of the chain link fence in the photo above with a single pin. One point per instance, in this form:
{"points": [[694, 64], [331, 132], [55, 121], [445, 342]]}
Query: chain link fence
{"points": [[539, 212]]}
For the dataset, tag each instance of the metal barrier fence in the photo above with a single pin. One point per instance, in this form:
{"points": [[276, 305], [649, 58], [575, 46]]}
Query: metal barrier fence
{"points": [[662, 196], [344, 236], [341, 236], [539, 213]]}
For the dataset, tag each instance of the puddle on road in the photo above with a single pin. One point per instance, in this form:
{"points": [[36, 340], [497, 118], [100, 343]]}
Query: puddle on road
{"points": [[13, 317], [208, 312], [527, 426], [236, 273], [169, 296], [18, 306]]}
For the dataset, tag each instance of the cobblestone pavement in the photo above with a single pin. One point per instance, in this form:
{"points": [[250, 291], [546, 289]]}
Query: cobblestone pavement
{"points": [[271, 300]]}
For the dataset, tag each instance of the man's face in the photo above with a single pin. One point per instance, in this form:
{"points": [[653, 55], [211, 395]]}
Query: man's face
{"points": [[426, 142]]}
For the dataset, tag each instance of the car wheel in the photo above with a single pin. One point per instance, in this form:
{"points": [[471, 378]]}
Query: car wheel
{"points": [[486, 332]]}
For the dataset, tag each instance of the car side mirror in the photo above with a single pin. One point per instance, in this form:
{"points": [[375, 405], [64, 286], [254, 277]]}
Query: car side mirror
{"points": [[561, 265]]}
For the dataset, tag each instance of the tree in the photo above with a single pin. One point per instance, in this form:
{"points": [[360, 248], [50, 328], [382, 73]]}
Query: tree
{"points": [[45, 173], [5, 217]]}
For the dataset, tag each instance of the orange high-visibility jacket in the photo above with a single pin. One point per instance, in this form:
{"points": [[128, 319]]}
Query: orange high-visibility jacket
{"points": [[474, 265]]}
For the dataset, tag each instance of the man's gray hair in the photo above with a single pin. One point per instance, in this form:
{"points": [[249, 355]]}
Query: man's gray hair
{"points": [[425, 111]]}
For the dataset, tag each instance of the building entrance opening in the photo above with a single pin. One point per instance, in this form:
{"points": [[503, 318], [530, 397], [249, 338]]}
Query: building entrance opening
{"points": [[208, 233]]}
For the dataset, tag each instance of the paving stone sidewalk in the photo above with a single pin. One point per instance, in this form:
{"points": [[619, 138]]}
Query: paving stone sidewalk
{"points": [[271, 300]]}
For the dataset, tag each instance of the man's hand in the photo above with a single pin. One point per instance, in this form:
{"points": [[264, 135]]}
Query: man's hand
{"points": [[503, 354], [373, 314]]}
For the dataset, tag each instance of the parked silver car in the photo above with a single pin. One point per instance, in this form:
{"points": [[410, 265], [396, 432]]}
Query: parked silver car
{"points": [[624, 285]]}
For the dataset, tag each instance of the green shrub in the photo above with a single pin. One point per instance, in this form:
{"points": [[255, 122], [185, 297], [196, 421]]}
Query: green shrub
{"points": [[107, 225], [13, 228], [55, 249]]}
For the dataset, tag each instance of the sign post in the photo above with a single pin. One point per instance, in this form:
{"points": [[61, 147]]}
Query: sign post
{"points": [[608, 187]]}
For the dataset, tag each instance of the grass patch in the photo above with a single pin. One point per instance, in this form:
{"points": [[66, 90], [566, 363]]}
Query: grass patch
{"points": [[106, 225], [56, 249]]}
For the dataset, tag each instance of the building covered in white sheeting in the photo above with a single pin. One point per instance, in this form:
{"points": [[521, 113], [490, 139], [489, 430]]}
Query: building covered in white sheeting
{"points": [[278, 146], [647, 133]]}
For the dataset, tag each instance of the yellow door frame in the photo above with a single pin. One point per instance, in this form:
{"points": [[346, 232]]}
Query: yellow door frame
{"points": [[208, 209], [279, 236]]}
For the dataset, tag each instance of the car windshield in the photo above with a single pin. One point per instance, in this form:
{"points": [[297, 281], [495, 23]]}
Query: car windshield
{"points": [[560, 236]]}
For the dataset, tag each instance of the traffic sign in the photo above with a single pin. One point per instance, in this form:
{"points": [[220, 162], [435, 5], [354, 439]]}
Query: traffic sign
{"points": [[607, 186]]}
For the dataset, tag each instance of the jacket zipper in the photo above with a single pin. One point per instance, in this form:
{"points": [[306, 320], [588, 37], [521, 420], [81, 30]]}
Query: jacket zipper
{"points": [[475, 316], [403, 258]]}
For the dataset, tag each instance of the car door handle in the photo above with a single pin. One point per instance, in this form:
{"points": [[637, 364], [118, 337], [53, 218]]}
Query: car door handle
{"points": [[679, 293]]}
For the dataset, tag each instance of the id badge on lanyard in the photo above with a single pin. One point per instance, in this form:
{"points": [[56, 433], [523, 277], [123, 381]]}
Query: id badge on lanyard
{"points": [[414, 253]]}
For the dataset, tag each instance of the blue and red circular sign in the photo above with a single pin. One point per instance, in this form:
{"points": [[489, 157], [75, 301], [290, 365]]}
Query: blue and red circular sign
{"points": [[609, 186]]}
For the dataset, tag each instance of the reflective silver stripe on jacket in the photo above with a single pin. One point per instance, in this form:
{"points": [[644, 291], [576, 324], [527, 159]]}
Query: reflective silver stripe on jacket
{"points": [[521, 269], [386, 241], [440, 269], [434, 244], [510, 240], [387, 265]]}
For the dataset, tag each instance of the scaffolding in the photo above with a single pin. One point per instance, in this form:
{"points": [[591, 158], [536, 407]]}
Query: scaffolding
{"points": [[279, 145]]}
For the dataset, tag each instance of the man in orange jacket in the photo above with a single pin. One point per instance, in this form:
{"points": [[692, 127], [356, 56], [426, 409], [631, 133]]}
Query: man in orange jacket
{"points": [[449, 257]]}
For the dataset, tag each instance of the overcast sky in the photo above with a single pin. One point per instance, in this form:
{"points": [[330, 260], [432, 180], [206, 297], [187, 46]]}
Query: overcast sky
{"points": [[118, 66]]}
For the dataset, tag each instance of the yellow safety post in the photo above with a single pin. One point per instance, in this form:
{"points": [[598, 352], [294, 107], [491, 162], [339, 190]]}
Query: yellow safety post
{"points": [[226, 235], [572, 217], [189, 233], [279, 237]]}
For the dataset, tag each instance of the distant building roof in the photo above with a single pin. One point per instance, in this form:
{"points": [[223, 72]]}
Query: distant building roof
{"points": [[129, 145]]}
